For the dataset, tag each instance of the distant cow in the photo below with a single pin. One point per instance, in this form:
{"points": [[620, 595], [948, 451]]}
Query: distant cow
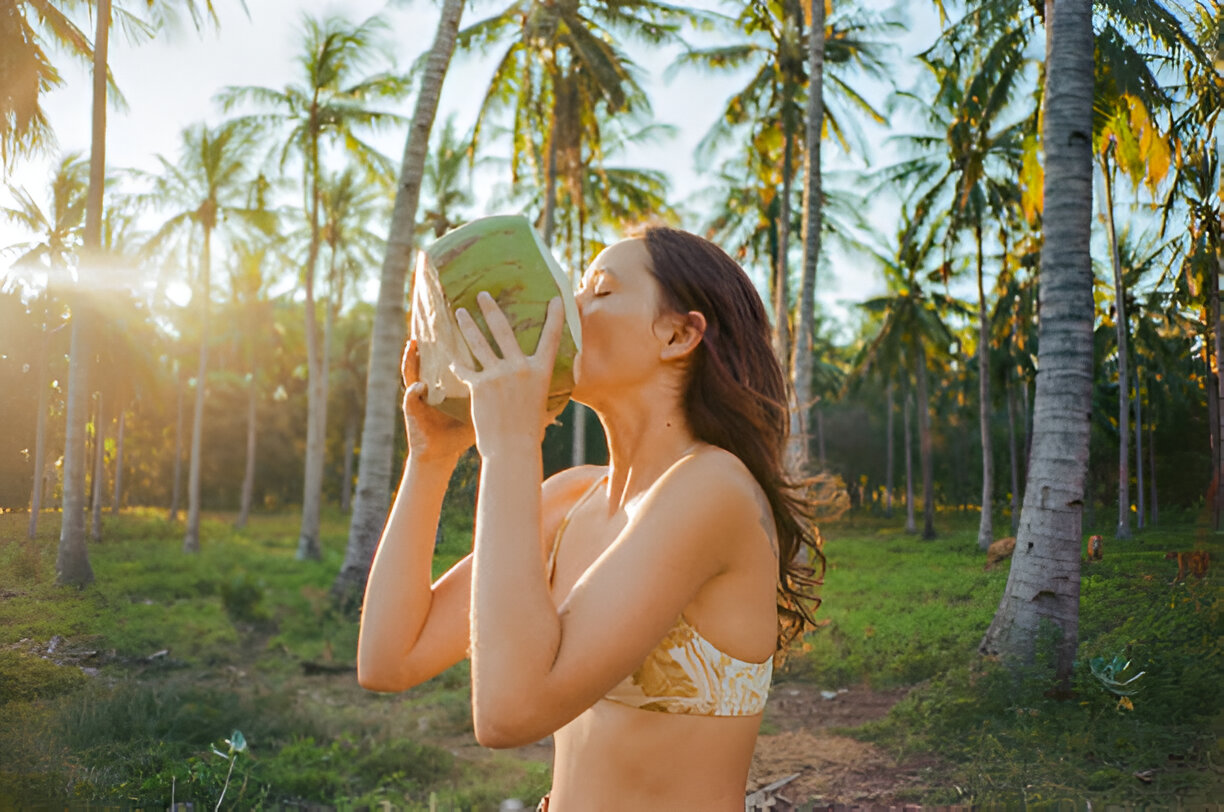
{"points": [[1094, 548], [998, 551]]}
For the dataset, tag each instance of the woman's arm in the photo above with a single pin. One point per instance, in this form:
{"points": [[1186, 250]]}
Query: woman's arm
{"points": [[410, 630]]}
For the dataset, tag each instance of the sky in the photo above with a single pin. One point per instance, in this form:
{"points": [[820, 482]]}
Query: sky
{"points": [[169, 83]]}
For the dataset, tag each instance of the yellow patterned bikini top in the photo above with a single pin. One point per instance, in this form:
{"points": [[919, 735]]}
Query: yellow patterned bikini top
{"points": [[685, 673]]}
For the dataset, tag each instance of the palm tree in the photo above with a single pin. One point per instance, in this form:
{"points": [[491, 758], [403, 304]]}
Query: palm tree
{"points": [[328, 107], [72, 561], [206, 189], [968, 165], [563, 75], [249, 282], [447, 186], [373, 497], [27, 72], [912, 328], [53, 251], [765, 114], [1043, 582]]}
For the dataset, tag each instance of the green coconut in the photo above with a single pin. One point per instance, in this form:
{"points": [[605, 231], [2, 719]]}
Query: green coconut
{"points": [[506, 257]]}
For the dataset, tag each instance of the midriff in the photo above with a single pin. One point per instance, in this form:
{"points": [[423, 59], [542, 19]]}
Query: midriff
{"points": [[614, 757]]}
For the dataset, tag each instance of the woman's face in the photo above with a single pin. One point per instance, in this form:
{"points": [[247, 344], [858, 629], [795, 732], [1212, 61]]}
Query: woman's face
{"points": [[618, 303]]}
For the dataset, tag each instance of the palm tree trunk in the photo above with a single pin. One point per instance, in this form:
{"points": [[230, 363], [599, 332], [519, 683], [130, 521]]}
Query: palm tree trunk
{"points": [[1140, 512], [890, 443], [911, 526], [248, 476], [40, 430], [350, 444], [99, 471], [813, 193], [1015, 462], [373, 497], [986, 524], [1154, 506], [118, 494], [1219, 353], [1124, 529], [924, 444], [1044, 580], [72, 559], [781, 288], [1027, 424], [820, 435], [191, 539], [1213, 405], [177, 487], [308, 548]]}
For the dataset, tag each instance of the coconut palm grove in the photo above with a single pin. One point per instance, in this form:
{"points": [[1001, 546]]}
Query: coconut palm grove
{"points": [[1011, 426]]}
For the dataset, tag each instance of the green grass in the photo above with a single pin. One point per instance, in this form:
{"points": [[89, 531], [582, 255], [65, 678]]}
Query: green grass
{"points": [[903, 611], [237, 620]]}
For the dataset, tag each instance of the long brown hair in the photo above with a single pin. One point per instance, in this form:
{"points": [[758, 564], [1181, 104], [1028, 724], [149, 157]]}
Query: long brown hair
{"points": [[736, 399]]}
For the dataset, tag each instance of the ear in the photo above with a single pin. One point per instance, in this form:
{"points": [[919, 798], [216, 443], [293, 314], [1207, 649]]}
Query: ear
{"points": [[681, 332]]}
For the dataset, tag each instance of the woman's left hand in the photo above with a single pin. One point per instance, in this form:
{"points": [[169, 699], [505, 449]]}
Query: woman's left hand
{"points": [[510, 391]]}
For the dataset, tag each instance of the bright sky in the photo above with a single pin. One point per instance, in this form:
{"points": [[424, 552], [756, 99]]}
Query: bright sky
{"points": [[169, 84]]}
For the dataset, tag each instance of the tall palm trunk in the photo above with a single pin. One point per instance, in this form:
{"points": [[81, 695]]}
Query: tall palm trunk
{"points": [[316, 386], [72, 559], [350, 442], [1219, 353], [986, 524], [248, 476], [813, 220], [118, 493], [191, 539], [40, 429], [1154, 505], [177, 480], [1012, 456], [1044, 581], [1213, 404], [1124, 529], [373, 496], [99, 471], [1140, 512], [781, 287], [911, 525], [890, 442], [924, 444]]}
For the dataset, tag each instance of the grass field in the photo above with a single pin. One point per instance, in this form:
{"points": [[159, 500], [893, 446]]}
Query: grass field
{"points": [[156, 664]]}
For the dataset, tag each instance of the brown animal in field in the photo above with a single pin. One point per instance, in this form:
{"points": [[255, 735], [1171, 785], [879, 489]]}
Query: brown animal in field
{"points": [[999, 551], [1094, 548], [1194, 562]]}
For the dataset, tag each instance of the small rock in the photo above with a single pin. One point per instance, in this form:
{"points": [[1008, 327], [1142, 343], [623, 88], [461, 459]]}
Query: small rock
{"points": [[55, 643]]}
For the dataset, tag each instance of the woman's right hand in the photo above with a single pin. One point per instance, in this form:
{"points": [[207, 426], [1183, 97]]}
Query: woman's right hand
{"points": [[431, 432]]}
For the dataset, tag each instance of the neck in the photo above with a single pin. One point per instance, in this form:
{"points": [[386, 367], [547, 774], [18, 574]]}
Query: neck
{"points": [[646, 436]]}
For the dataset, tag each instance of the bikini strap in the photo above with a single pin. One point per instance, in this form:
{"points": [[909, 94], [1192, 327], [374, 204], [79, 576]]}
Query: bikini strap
{"points": [[556, 545]]}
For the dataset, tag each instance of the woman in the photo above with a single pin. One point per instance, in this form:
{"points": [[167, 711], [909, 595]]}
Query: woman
{"points": [[632, 610]]}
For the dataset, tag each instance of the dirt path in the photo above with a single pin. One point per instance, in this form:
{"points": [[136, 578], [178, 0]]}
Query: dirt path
{"points": [[831, 768]]}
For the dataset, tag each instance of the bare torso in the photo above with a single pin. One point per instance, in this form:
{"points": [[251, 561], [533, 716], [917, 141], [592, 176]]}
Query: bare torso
{"points": [[613, 756]]}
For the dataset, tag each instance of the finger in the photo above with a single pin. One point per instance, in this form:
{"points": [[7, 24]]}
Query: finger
{"points": [[550, 336], [410, 365], [502, 332], [475, 339]]}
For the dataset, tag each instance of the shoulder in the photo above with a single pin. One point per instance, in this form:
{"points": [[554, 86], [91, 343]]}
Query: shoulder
{"points": [[562, 490], [711, 475], [717, 495], [573, 481]]}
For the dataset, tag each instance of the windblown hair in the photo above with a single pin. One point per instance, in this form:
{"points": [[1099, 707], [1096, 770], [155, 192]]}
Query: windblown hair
{"points": [[736, 399]]}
